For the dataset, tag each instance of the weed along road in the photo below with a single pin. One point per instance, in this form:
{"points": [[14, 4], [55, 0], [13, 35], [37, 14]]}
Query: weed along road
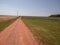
{"points": [[17, 34]]}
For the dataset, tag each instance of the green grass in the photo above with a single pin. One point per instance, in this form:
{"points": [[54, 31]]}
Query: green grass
{"points": [[4, 24], [47, 30]]}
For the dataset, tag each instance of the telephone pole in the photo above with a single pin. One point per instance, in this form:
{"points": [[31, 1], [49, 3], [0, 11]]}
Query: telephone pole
{"points": [[17, 12]]}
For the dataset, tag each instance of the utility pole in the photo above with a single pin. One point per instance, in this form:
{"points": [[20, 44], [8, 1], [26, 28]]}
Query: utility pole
{"points": [[17, 12]]}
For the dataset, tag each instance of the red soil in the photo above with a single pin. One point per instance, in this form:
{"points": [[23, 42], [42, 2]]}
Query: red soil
{"points": [[17, 34]]}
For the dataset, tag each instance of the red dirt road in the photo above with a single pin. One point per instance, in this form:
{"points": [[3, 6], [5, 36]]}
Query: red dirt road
{"points": [[17, 34]]}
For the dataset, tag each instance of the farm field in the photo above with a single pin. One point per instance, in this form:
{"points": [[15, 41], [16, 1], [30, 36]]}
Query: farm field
{"points": [[5, 18], [6, 21], [45, 29]]}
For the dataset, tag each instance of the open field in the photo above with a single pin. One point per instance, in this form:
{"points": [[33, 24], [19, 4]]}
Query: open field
{"points": [[45, 29], [5, 21], [5, 18]]}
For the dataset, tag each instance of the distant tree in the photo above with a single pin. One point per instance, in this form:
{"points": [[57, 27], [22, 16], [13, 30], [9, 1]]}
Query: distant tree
{"points": [[56, 15]]}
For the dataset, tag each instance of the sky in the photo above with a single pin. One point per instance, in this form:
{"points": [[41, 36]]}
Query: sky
{"points": [[29, 7]]}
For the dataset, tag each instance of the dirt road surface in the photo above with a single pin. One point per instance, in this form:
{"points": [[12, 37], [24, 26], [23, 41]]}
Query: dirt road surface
{"points": [[17, 34]]}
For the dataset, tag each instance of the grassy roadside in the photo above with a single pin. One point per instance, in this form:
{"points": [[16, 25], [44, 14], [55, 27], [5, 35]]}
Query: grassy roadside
{"points": [[47, 29], [4, 24]]}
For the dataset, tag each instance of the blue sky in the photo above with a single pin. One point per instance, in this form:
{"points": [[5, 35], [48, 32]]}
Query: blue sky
{"points": [[29, 7]]}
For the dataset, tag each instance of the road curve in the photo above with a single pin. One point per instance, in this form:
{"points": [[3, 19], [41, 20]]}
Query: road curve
{"points": [[17, 34]]}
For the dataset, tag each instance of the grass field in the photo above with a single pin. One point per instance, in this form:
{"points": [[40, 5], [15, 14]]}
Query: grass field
{"points": [[46, 29], [4, 23]]}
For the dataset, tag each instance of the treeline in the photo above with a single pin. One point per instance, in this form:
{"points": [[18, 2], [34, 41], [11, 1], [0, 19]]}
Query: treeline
{"points": [[56, 15]]}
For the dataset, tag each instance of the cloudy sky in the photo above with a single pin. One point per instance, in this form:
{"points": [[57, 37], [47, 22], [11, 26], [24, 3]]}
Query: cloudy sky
{"points": [[29, 7]]}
